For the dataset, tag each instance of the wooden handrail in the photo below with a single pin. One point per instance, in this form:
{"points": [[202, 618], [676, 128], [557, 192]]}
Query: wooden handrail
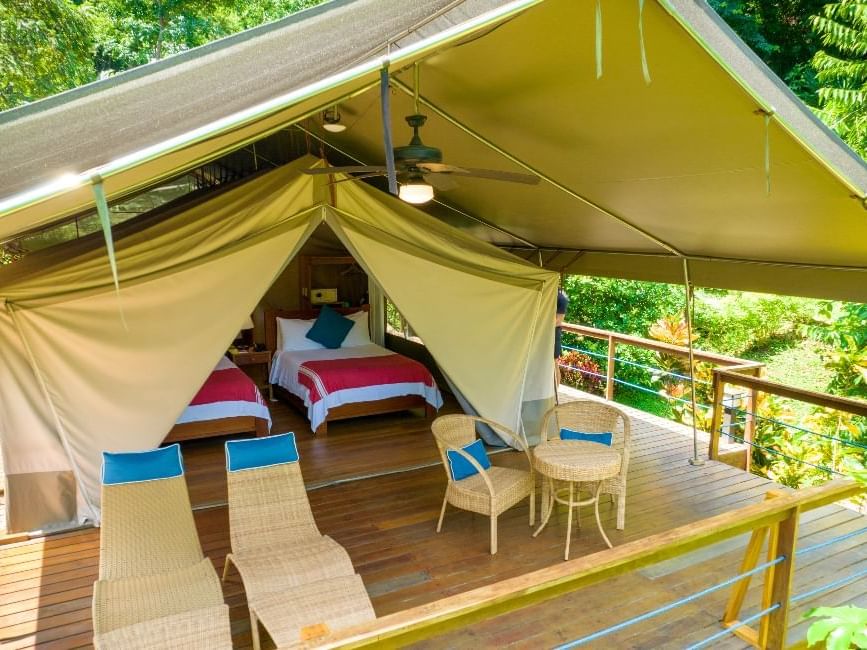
{"points": [[487, 602], [657, 346], [845, 404]]}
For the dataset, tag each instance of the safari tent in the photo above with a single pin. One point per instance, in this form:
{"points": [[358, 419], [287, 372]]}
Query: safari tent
{"points": [[663, 148]]}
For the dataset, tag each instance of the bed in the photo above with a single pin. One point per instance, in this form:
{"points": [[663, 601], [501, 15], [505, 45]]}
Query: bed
{"points": [[228, 402], [359, 378]]}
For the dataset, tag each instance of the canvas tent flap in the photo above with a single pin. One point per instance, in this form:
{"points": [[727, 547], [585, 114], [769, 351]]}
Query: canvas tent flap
{"points": [[87, 378], [486, 317], [98, 379]]}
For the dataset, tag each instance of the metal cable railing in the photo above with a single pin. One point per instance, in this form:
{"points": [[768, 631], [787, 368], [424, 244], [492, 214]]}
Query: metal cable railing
{"points": [[636, 364], [639, 387], [776, 452], [668, 607], [849, 443]]}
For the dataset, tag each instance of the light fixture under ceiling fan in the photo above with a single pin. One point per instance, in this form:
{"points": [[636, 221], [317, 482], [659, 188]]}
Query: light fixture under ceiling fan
{"points": [[420, 169]]}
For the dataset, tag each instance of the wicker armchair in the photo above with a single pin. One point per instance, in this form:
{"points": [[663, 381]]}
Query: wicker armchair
{"points": [[492, 491], [155, 589], [592, 416], [293, 575]]}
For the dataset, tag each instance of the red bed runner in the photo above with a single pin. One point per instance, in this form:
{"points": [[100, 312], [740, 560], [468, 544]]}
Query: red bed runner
{"points": [[228, 385], [328, 376]]}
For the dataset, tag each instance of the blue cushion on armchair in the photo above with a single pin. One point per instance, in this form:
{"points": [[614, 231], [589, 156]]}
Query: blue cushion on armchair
{"points": [[601, 438], [460, 467]]}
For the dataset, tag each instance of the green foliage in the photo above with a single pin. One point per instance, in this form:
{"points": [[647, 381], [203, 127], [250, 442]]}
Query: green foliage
{"points": [[841, 70], [843, 326], [626, 306], [581, 371], [45, 48], [840, 627], [647, 402], [780, 32], [735, 323]]}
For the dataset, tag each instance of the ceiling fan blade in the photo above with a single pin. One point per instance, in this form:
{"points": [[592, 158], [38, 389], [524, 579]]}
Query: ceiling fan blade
{"points": [[492, 174], [496, 175], [440, 182], [357, 178], [349, 169], [439, 168]]}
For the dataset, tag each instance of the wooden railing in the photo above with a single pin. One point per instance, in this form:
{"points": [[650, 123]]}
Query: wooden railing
{"points": [[736, 376], [780, 515], [727, 371], [720, 362]]}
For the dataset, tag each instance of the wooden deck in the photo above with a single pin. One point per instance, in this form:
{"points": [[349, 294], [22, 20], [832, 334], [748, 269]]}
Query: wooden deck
{"points": [[387, 524]]}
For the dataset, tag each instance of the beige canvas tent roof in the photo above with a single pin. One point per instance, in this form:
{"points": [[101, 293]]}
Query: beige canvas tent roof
{"points": [[637, 176], [707, 162]]}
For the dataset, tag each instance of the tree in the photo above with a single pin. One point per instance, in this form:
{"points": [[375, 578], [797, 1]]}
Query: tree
{"points": [[45, 48], [780, 32], [841, 69], [130, 33]]}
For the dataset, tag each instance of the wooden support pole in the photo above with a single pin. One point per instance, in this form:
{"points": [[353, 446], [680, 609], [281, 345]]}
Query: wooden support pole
{"points": [[609, 372], [739, 590], [781, 584], [750, 425], [716, 419]]}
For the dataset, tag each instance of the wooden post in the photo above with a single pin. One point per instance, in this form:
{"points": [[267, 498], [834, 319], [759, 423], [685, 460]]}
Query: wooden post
{"points": [[739, 590], [609, 372], [716, 419], [781, 584], [750, 425]]}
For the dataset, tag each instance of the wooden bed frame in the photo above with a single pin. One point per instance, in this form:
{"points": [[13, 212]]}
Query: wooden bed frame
{"points": [[375, 407], [219, 427]]}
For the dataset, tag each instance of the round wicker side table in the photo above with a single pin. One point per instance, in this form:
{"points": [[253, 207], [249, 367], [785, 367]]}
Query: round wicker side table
{"points": [[575, 461]]}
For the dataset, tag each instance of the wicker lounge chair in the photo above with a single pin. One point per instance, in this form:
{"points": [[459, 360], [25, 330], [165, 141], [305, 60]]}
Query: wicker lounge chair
{"points": [[293, 575], [155, 589], [591, 416], [489, 492]]}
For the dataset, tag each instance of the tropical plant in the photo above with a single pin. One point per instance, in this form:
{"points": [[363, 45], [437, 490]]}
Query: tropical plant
{"points": [[844, 327], [839, 627], [841, 70], [580, 371]]}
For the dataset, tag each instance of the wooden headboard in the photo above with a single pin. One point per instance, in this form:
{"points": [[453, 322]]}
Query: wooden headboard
{"points": [[271, 316]]}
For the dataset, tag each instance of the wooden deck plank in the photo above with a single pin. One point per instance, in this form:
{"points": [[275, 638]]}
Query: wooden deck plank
{"points": [[387, 524]]}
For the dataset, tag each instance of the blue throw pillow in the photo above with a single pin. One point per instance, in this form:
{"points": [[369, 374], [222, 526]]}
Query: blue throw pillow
{"points": [[138, 466], [254, 453], [601, 438], [330, 328], [460, 467]]}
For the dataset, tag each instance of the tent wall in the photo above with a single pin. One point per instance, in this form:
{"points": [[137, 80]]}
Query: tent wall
{"points": [[113, 372], [484, 316], [91, 370]]}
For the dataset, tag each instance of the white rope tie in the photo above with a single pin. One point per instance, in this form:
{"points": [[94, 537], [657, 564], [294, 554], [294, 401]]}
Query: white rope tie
{"points": [[598, 39], [645, 70], [105, 222], [768, 115]]}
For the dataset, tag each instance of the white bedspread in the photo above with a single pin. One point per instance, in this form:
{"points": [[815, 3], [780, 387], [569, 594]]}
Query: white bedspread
{"points": [[284, 373]]}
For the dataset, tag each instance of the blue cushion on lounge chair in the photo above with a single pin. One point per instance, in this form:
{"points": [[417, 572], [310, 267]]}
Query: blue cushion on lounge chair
{"points": [[460, 467], [137, 466], [254, 453], [330, 328], [601, 438]]}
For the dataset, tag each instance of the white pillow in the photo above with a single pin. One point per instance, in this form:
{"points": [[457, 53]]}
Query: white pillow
{"points": [[360, 332], [292, 335]]}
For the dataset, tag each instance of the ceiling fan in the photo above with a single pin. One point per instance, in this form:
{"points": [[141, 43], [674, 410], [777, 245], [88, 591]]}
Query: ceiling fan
{"points": [[420, 169]]}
